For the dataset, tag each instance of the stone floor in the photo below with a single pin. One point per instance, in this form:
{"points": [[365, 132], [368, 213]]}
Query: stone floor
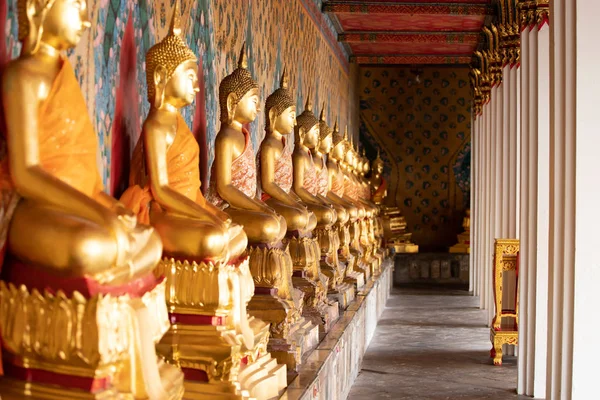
{"points": [[432, 343]]}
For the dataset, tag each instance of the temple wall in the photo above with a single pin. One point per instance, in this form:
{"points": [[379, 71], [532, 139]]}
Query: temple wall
{"points": [[109, 63], [423, 131]]}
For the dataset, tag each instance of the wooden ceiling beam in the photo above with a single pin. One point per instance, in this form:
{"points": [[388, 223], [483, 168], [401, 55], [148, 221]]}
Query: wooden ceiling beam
{"points": [[409, 37], [411, 59], [458, 9]]}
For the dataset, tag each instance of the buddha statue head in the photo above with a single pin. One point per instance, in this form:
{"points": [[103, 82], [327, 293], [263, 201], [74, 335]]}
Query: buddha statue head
{"points": [[238, 94], [349, 155], [378, 165], [172, 69], [280, 109], [365, 163], [57, 23], [325, 134], [307, 126], [338, 151]]}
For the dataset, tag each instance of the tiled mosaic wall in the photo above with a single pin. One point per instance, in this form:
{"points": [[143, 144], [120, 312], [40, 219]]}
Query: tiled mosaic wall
{"points": [[422, 127], [278, 33]]}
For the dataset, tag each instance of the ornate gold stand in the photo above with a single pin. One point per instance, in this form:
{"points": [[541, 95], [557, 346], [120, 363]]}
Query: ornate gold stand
{"points": [[89, 346], [356, 249], [338, 290], [276, 301], [211, 337], [505, 324], [307, 277], [353, 275]]}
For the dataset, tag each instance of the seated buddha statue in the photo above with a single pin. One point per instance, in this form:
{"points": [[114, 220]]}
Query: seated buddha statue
{"points": [[166, 192], [165, 178], [323, 179], [305, 183], [377, 181], [275, 162], [330, 244], [335, 170], [77, 265], [233, 180]]}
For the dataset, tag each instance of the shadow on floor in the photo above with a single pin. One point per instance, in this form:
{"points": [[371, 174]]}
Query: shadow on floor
{"points": [[433, 343]]}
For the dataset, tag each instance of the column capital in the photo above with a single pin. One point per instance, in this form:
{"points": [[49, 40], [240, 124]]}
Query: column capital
{"points": [[533, 12]]}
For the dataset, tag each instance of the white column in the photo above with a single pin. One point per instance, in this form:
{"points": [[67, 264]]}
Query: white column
{"points": [[473, 198], [587, 179], [534, 226], [513, 152], [562, 198]]}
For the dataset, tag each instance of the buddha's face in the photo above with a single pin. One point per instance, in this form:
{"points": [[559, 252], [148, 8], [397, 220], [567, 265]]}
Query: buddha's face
{"points": [[349, 158], [338, 151], [366, 166], [311, 138], [64, 23], [285, 123], [379, 168], [182, 88], [325, 144], [248, 107]]}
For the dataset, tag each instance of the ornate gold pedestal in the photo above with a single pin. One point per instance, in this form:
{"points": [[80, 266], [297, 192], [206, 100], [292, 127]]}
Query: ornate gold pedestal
{"points": [[504, 328], [276, 301], [353, 275], [307, 277], [211, 337], [338, 290], [92, 346], [362, 264]]}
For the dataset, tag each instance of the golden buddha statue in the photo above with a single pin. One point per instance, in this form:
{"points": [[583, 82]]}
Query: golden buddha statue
{"points": [[464, 239], [82, 309], [351, 194], [233, 175], [306, 252], [233, 188], [305, 183], [275, 161], [330, 239], [393, 223], [335, 170], [296, 335], [377, 181], [203, 258]]}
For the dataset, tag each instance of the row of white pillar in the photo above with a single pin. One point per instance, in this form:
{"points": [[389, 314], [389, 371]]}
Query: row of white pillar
{"points": [[536, 177]]}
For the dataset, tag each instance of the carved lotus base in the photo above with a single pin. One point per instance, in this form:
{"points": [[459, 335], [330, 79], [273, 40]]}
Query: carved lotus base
{"points": [[279, 303], [343, 295], [59, 346], [212, 337]]}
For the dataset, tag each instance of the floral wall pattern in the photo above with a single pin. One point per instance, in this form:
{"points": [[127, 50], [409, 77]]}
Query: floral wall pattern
{"points": [[292, 34], [422, 128]]}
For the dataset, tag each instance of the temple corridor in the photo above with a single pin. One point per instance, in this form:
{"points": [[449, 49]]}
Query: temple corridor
{"points": [[433, 343]]}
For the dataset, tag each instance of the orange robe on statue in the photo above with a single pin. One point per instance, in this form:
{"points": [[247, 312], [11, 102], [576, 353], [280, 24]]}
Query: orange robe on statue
{"points": [[183, 169]]}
